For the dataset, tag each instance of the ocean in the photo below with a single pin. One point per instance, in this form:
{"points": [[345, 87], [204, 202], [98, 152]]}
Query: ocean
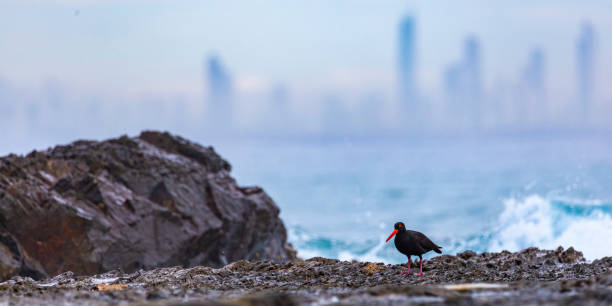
{"points": [[340, 198]]}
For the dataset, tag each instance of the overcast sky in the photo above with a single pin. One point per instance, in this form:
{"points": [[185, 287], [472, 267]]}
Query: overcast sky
{"points": [[157, 47]]}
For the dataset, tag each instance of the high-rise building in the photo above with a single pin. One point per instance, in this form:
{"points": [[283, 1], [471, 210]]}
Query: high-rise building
{"points": [[452, 81], [533, 75], [278, 111], [407, 61], [279, 96], [220, 94], [472, 65], [531, 105], [585, 57], [219, 82], [463, 86]]}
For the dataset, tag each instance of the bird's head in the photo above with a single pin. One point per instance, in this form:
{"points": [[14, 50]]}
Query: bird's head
{"points": [[398, 227]]}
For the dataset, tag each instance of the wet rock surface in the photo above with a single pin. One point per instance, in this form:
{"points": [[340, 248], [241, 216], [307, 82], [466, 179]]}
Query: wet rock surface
{"points": [[531, 276], [155, 200]]}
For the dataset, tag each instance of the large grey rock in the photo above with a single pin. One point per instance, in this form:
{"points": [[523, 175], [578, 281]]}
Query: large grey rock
{"points": [[150, 201]]}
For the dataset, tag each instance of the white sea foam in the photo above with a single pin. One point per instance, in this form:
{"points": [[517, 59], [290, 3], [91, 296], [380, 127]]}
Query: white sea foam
{"points": [[309, 245], [371, 255], [544, 222], [538, 221], [309, 253]]}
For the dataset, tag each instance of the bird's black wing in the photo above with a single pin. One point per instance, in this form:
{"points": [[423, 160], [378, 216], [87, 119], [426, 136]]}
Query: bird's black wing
{"points": [[426, 243]]}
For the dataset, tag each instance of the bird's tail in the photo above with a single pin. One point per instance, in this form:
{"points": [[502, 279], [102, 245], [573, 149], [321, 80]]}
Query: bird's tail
{"points": [[437, 250]]}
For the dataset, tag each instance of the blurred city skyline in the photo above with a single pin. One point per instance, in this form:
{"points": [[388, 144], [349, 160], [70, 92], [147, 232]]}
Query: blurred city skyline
{"points": [[319, 68], [467, 104]]}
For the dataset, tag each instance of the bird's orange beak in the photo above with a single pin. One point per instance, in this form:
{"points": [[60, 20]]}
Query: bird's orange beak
{"points": [[391, 236]]}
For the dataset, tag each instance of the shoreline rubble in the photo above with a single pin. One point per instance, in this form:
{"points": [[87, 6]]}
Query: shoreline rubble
{"points": [[530, 276]]}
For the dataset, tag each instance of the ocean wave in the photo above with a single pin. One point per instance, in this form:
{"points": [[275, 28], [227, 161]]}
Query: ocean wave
{"points": [[551, 222], [311, 245], [534, 220]]}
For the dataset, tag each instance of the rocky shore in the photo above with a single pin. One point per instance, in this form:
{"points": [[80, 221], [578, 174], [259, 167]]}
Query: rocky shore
{"points": [[531, 276], [157, 219], [130, 203]]}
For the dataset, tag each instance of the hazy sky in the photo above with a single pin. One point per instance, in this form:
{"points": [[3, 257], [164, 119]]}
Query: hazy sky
{"points": [[157, 47]]}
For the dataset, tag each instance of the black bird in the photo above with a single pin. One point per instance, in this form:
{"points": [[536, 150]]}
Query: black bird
{"points": [[412, 243]]}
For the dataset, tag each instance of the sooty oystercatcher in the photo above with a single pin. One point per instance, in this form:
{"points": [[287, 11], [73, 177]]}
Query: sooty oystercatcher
{"points": [[412, 243]]}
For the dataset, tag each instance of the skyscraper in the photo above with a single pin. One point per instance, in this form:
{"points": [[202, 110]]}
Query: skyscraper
{"points": [[531, 105], [278, 113], [219, 83], [406, 60], [472, 66], [219, 91], [533, 75], [462, 82], [585, 58], [452, 81]]}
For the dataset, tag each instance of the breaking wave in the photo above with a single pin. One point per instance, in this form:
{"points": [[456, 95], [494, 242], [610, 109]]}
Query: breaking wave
{"points": [[309, 245], [549, 223], [534, 220]]}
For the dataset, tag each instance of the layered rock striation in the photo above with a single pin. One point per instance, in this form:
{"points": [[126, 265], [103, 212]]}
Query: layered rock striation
{"points": [[150, 201]]}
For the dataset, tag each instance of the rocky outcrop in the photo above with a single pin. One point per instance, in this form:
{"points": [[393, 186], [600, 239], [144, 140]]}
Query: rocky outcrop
{"points": [[129, 203], [529, 277], [15, 261]]}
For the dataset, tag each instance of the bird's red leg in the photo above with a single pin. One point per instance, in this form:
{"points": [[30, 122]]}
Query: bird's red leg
{"points": [[409, 264], [421, 272]]}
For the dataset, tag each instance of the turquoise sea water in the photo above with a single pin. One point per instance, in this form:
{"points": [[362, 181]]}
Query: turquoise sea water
{"points": [[340, 198]]}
